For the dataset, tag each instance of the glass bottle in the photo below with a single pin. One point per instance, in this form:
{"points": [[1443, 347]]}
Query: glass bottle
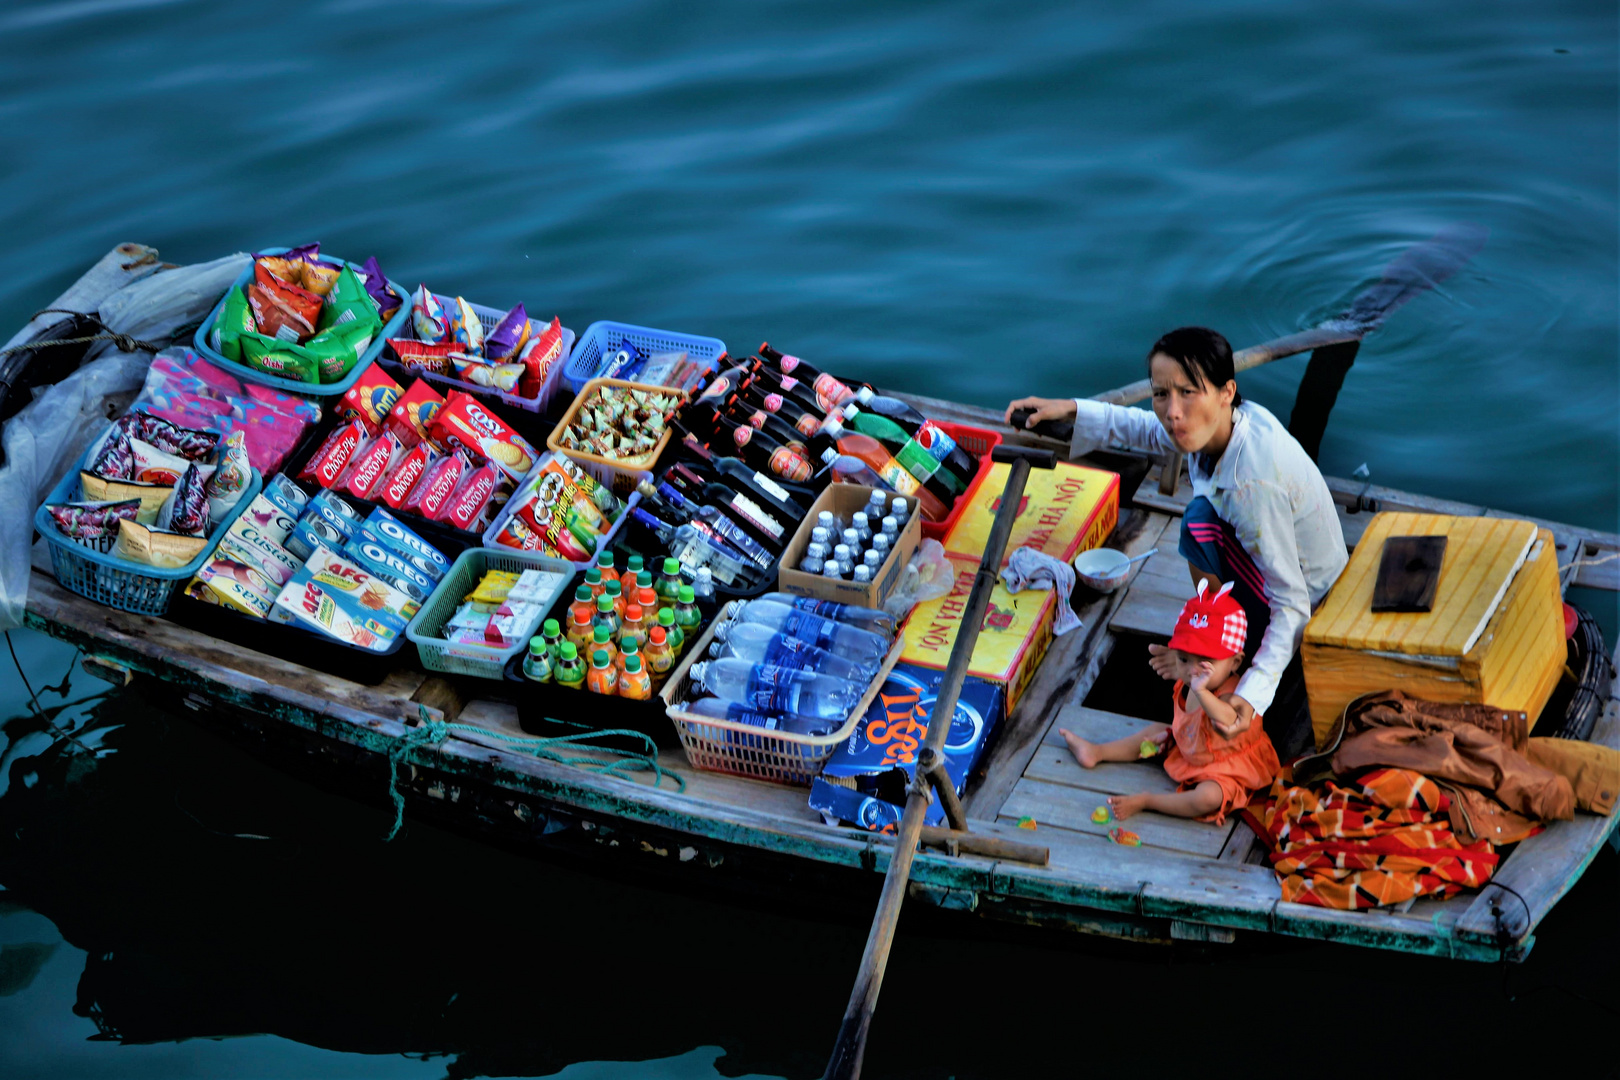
{"points": [[570, 668]]}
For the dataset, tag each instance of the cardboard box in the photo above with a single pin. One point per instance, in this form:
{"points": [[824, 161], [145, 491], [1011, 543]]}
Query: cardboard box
{"points": [[844, 500], [1064, 511], [881, 756], [1016, 633]]}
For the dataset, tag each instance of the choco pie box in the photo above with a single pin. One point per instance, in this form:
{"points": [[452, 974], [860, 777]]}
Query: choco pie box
{"points": [[1065, 510], [865, 779], [1014, 636]]}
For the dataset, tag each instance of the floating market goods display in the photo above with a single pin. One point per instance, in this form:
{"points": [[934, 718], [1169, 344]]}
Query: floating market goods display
{"points": [[621, 423], [303, 318], [448, 339]]}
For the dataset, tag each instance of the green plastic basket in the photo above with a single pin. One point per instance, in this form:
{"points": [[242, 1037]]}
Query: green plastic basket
{"points": [[481, 661]]}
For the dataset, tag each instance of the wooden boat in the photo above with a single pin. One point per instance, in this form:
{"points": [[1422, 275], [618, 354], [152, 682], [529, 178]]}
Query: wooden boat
{"points": [[1189, 882]]}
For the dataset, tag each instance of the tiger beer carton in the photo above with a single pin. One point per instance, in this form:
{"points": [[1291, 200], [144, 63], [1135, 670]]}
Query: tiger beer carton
{"points": [[865, 780], [1015, 634], [1065, 510]]}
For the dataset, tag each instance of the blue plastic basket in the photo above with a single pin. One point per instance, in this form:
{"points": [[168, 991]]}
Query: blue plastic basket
{"points": [[293, 386], [604, 338], [119, 583], [490, 318]]}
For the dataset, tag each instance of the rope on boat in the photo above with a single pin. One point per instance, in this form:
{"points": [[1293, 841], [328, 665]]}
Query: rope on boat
{"points": [[434, 731], [125, 342]]}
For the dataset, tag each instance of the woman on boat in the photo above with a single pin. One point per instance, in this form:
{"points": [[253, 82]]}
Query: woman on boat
{"points": [[1261, 516]]}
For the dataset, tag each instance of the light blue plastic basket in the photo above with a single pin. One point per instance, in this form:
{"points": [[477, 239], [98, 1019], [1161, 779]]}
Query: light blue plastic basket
{"points": [[119, 583], [292, 386], [604, 338]]}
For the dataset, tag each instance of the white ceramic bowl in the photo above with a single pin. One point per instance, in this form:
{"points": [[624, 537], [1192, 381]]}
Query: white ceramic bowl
{"points": [[1104, 569]]}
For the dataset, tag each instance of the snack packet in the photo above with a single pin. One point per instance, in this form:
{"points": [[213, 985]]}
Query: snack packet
{"points": [[466, 332], [469, 498], [93, 524], [413, 414], [397, 485], [231, 476], [370, 398], [418, 356], [98, 489], [371, 276], [234, 318], [509, 336], [185, 511], [154, 466], [369, 465], [152, 547], [190, 443], [113, 457], [275, 318], [337, 349], [429, 318], [538, 357], [319, 276], [503, 377], [282, 359], [438, 483]]}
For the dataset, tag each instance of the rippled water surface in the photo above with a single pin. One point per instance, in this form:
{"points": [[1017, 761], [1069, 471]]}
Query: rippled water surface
{"points": [[973, 201]]}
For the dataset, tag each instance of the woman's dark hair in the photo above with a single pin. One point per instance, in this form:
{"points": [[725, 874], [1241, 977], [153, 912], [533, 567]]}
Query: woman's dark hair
{"points": [[1204, 356]]}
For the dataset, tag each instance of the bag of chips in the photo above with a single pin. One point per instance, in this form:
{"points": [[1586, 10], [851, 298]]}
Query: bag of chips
{"points": [[234, 318], [418, 356], [319, 276], [275, 302], [112, 455], [337, 348], [232, 475], [93, 524], [371, 276], [348, 301], [539, 356], [466, 332], [503, 377], [279, 358], [429, 318], [154, 466], [190, 443], [185, 511], [99, 489], [154, 547]]}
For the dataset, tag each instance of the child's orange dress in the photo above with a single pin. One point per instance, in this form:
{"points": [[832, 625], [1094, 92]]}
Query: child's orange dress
{"points": [[1244, 763]]}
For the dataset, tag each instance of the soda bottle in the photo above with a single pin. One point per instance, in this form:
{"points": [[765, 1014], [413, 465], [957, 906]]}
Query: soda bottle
{"points": [[928, 470], [634, 683], [781, 689], [595, 582], [634, 628], [870, 619], [616, 591], [584, 600], [848, 469], [602, 641], [603, 677], [929, 435], [761, 645], [797, 397], [687, 615], [760, 450], [672, 633], [840, 639], [668, 584], [828, 389], [627, 649], [761, 484], [536, 663], [893, 473], [766, 393], [570, 668], [660, 657], [771, 424], [635, 565], [551, 634], [721, 709], [581, 627], [607, 616]]}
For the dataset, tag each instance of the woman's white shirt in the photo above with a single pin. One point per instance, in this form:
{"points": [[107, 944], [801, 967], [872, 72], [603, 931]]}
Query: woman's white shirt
{"points": [[1272, 494]]}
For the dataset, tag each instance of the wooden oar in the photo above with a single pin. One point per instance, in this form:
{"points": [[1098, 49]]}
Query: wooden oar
{"points": [[845, 1063]]}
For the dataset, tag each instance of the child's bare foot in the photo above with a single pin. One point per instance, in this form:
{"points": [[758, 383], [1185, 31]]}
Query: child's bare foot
{"points": [[1124, 806], [1084, 752]]}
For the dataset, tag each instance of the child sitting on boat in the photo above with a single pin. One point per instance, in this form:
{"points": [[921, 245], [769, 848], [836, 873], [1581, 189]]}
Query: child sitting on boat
{"points": [[1217, 756]]}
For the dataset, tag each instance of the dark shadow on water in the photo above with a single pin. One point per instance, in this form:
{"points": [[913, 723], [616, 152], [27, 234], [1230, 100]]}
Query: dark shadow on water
{"points": [[218, 897]]}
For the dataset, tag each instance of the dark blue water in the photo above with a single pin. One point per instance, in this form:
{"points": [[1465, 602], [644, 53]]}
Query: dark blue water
{"points": [[970, 201]]}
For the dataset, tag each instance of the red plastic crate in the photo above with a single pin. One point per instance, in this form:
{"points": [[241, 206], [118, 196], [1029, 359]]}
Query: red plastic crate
{"points": [[979, 443]]}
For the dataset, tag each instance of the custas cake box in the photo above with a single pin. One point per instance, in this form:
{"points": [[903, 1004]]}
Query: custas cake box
{"points": [[865, 780]]}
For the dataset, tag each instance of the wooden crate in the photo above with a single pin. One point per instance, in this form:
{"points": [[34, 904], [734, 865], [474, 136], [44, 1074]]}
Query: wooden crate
{"points": [[1495, 634]]}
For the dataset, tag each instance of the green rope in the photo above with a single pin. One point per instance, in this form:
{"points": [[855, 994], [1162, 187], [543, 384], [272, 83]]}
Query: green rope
{"points": [[434, 731], [125, 342]]}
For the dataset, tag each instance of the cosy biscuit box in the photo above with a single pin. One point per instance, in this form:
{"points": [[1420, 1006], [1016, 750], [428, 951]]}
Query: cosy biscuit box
{"points": [[1065, 510], [1015, 634]]}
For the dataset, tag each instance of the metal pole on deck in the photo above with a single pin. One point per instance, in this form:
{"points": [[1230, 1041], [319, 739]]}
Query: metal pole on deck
{"points": [[849, 1050]]}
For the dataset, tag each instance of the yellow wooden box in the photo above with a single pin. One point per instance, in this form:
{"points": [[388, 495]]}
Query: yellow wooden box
{"points": [[1065, 510], [1015, 634], [1495, 634]]}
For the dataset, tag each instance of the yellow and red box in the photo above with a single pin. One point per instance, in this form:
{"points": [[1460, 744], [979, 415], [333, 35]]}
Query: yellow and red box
{"points": [[1065, 510]]}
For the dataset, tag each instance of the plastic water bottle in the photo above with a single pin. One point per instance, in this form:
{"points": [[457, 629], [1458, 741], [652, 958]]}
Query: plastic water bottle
{"points": [[721, 709], [781, 689], [761, 645], [869, 619], [874, 506], [826, 520], [861, 526], [818, 550], [840, 639]]}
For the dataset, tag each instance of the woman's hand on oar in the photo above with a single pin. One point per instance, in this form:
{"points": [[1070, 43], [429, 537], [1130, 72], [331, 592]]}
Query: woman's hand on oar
{"points": [[1045, 409]]}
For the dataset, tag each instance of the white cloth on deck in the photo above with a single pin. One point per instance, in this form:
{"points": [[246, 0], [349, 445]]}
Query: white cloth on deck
{"points": [[1032, 569]]}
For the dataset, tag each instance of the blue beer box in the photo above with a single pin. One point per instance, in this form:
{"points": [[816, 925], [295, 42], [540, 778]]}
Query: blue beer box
{"points": [[881, 755]]}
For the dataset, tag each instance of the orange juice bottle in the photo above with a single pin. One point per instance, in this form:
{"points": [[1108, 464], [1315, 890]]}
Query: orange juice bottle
{"points": [[584, 601], [634, 682], [607, 615], [602, 641], [615, 589], [635, 625], [603, 677], [580, 627], [604, 566], [593, 579], [660, 657]]}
